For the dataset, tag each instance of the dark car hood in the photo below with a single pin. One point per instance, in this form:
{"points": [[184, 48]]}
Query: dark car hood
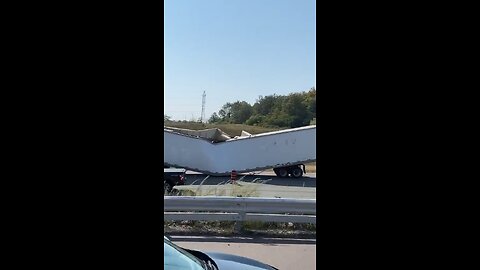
{"points": [[233, 262]]}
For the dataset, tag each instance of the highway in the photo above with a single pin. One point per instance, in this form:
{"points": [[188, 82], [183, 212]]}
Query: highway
{"points": [[282, 253], [308, 180]]}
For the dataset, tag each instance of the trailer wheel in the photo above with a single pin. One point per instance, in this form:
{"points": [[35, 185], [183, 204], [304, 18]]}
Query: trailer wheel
{"points": [[281, 172], [297, 172]]}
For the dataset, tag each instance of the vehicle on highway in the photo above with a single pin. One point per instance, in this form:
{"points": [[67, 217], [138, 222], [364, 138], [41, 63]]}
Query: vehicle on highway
{"points": [[173, 177], [177, 258]]}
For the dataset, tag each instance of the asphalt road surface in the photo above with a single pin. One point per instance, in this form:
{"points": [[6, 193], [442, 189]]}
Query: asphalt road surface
{"points": [[284, 254], [308, 180]]}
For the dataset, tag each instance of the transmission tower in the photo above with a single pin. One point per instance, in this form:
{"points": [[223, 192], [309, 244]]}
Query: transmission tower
{"points": [[204, 96]]}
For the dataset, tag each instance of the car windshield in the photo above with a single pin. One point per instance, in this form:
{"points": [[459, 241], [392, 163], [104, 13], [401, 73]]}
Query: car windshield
{"points": [[175, 258]]}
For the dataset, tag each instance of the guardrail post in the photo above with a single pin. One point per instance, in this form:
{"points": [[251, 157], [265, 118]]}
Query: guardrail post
{"points": [[239, 223]]}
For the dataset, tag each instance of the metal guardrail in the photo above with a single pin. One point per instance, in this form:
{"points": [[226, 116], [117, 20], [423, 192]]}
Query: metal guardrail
{"points": [[210, 208]]}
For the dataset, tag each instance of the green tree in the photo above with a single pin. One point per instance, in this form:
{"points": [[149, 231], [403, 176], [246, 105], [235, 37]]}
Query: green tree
{"points": [[255, 120], [265, 105], [225, 112], [296, 110], [214, 118], [311, 102], [240, 112]]}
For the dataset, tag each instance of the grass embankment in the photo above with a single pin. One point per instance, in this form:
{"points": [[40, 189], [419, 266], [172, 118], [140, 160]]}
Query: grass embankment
{"points": [[230, 129], [240, 189], [246, 189], [311, 167]]}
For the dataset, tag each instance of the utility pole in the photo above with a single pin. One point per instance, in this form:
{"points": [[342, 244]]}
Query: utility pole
{"points": [[202, 117]]}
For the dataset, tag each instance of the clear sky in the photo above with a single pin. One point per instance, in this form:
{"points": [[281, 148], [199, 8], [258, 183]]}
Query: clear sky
{"points": [[235, 50]]}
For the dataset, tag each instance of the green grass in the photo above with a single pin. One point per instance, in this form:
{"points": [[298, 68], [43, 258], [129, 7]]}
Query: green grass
{"points": [[230, 129]]}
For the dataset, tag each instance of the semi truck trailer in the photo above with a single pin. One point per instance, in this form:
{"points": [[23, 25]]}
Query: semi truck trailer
{"points": [[214, 152]]}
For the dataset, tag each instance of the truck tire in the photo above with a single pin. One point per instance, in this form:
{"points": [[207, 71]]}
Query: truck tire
{"points": [[167, 187], [281, 172], [297, 172]]}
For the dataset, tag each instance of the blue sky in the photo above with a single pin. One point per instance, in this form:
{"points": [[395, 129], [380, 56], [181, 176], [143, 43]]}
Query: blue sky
{"points": [[235, 50]]}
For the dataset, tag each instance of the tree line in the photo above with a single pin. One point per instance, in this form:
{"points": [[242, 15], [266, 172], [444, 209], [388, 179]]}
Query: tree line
{"points": [[293, 110]]}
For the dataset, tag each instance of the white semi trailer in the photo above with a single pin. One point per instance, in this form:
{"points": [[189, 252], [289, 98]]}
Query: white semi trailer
{"points": [[215, 153]]}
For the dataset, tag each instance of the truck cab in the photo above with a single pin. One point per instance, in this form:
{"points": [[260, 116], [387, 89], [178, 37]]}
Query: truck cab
{"points": [[173, 177]]}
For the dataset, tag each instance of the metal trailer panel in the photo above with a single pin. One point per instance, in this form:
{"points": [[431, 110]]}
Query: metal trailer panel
{"points": [[244, 154]]}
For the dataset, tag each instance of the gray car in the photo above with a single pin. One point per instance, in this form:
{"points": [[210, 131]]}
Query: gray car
{"points": [[177, 258]]}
